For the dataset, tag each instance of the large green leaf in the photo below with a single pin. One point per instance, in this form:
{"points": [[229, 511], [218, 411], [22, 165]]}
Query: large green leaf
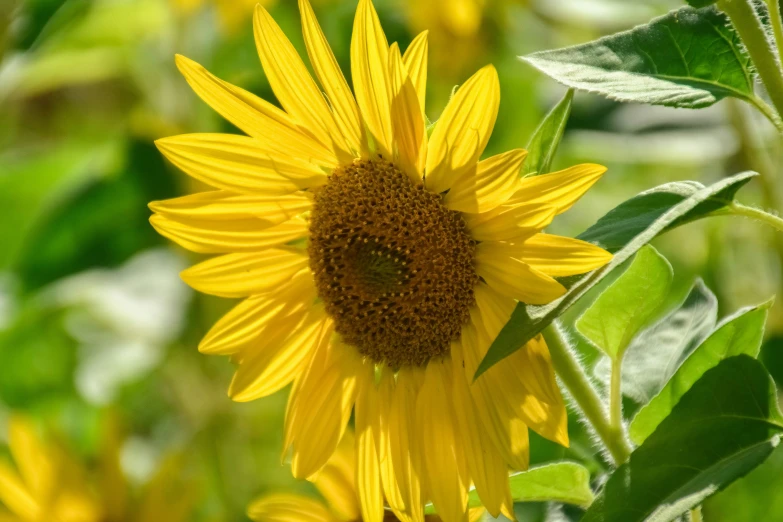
{"points": [[564, 482], [544, 142], [620, 225], [739, 334], [623, 231], [627, 306], [722, 428], [655, 354], [687, 58]]}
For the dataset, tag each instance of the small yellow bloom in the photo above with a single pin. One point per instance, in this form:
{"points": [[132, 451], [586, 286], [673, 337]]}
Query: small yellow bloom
{"points": [[231, 14], [378, 262], [49, 485]]}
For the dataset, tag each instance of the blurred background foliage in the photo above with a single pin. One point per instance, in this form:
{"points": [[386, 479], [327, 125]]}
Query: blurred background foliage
{"points": [[94, 321]]}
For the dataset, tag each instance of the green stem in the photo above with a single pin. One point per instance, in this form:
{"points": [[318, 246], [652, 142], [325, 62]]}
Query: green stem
{"points": [[739, 209], [768, 112], [746, 22], [773, 7], [584, 393], [696, 514], [616, 397]]}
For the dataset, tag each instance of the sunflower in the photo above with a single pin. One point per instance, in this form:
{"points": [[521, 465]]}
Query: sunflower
{"points": [[50, 484], [336, 482], [378, 261]]}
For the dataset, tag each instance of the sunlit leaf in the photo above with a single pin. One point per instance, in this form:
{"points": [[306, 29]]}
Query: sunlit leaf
{"points": [[629, 304], [564, 482], [543, 144], [739, 334], [655, 354], [623, 231], [687, 58], [724, 426]]}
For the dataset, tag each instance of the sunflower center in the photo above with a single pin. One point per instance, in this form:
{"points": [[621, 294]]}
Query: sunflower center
{"points": [[393, 266]]}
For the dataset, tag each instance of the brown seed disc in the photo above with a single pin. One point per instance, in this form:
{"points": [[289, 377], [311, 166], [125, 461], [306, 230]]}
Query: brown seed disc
{"points": [[393, 265]]}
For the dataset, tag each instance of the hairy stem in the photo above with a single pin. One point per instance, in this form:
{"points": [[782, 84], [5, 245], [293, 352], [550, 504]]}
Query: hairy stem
{"points": [[739, 209], [777, 24], [584, 393], [616, 397], [696, 514], [745, 20]]}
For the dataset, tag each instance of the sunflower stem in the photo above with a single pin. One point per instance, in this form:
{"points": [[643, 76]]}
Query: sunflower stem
{"points": [[616, 396], [696, 514], [765, 58], [738, 209], [578, 384]]}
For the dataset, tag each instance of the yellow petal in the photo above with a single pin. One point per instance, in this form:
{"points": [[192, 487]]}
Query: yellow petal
{"points": [[293, 86], [240, 275], [223, 205], [324, 404], [543, 409], [223, 237], [368, 473], [337, 480], [525, 382], [415, 61], [275, 363], [407, 121], [391, 488], [403, 448], [288, 508], [488, 470], [562, 256], [31, 456], [15, 496], [346, 112], [489, 185], [445, 472], [260, 119], [369, 68], [560, 189], [498, 415], [245, 323], [510, 276], [240, 164], [462, 132], [476, 514], [509, 222]]}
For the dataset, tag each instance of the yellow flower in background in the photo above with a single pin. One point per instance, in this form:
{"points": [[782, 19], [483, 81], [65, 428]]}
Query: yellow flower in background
{"points": [[377, 262], [49, 485], [231, 13], [336, 482]]}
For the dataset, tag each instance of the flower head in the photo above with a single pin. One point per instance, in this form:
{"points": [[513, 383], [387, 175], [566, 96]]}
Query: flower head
{"points": [[377, 262]]}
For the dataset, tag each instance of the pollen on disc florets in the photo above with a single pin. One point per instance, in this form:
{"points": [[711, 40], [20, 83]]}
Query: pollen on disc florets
{"points": [[393, 265]]}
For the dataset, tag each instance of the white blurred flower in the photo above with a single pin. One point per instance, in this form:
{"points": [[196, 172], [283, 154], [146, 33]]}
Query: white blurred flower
{"points": [[123, 319]]}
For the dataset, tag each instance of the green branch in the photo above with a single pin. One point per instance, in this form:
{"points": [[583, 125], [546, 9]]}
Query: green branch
{"points": [[739, 209], [745, 20], [581, 389]]}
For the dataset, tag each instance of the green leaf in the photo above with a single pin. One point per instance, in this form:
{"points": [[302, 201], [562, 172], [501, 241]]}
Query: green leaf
{"points": [[656, 353], [627, 232], [543, 144], [687, 58], [701, 3], [564, 482], [739, 334], [629, 304], [620, 225], [724, 426]]}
